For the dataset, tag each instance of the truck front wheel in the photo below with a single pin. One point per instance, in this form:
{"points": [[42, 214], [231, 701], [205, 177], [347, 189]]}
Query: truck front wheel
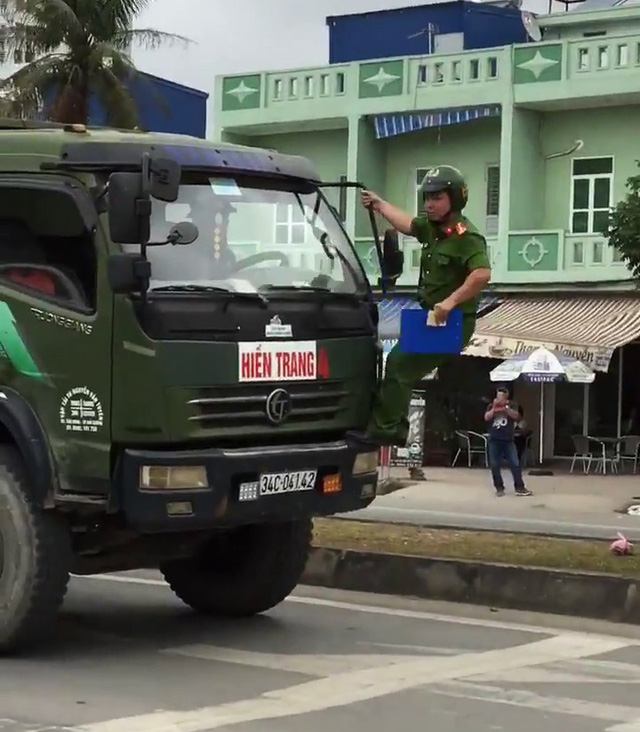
{"points": [[35, 558], [244, 571]]}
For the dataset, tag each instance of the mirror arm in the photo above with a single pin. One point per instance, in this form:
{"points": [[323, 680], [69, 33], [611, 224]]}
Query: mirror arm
{"points": [[344, 184]]}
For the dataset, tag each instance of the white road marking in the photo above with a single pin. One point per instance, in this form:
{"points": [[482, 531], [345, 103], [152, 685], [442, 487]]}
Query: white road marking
{"points": [[309, 664], [531, 700], [381, 610], [570, 672], [357, 686], [618, 670], [123, 579], [431, 650]]}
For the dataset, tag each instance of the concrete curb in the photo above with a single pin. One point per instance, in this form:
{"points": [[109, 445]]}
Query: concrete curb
{"points": [[588, 595]]}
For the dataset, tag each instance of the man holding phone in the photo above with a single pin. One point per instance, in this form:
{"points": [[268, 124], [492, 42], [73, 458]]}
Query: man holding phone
{"points": [[503, 418]]}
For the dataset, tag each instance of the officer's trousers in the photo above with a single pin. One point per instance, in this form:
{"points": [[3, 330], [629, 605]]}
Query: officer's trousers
{"points": [[402, 371]]}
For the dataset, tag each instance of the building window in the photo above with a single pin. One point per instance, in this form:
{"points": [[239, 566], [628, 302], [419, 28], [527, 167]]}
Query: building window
{"points": [[290, 225], [492, 210], [493, 190], [591, 194]]}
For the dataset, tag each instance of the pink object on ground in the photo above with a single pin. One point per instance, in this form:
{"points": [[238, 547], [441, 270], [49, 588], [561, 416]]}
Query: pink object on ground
{"points": [[621, 545]]}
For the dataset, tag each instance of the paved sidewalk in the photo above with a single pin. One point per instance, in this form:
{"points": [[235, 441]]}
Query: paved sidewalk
{"points": [[575, 505]]}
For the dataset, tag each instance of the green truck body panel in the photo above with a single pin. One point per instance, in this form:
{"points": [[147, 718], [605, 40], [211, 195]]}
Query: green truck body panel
{"points": [[98, 383]]}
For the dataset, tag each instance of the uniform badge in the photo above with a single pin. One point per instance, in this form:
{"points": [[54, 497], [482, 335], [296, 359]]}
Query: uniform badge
{"points": [[461, 228]]}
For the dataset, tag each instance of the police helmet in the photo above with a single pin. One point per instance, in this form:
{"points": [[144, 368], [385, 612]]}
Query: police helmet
{"points": [[449, 179]]}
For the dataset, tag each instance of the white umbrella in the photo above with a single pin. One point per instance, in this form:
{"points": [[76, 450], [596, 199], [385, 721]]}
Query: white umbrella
{"points": [[543, 366]]}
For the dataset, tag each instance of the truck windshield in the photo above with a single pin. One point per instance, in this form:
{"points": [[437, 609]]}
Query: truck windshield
{"points": [[256, 235]]}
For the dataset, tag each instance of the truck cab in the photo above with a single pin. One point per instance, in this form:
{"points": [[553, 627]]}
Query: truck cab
{"points": [[187, 336]]}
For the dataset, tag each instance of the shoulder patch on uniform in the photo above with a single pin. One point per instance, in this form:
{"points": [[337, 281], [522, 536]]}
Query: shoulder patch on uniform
{"points": [[461, 228]]}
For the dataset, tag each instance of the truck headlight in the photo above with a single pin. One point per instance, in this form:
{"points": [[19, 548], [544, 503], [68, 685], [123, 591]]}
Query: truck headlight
{"points": [[365, 462], [173, 478]]}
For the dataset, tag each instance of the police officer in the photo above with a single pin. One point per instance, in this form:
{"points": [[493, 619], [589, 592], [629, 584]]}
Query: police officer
{"points": [[454, 269]]}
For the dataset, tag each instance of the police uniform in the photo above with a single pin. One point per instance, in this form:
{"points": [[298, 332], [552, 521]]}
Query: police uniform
{"points": [[449, 254]]}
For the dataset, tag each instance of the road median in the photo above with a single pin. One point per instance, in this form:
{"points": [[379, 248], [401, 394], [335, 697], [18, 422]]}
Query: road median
{"points": [[551, 575]]}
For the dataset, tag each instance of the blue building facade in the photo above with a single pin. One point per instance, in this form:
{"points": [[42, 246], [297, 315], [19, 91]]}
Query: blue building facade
{"points": [[437, 28], [164, 106]]}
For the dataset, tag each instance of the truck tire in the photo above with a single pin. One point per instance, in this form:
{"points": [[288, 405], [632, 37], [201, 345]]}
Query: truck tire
{"points": [[35, 560], [244, 571]]}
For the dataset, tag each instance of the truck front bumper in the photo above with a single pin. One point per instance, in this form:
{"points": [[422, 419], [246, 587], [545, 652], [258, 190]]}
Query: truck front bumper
{"points": [[236, 489]]}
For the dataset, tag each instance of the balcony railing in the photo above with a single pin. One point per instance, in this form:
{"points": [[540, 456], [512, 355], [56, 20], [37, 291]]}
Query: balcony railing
{"points": [[412, 250], [409, 79], [557, 256], [305, 85], [454, 70], [528, 257], [436, 81], [600, 58]]}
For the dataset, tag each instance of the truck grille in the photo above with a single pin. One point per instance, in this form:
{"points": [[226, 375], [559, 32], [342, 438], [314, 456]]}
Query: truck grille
{"points": [[245, 405]]}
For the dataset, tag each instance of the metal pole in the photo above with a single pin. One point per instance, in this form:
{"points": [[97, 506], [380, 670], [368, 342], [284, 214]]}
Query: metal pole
{"points": [[541, 446], [620, 370], [384, 462], [342, 201]]}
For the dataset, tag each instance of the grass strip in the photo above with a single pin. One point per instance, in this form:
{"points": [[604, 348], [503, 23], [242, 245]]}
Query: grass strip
{"points": [[484, 546]]}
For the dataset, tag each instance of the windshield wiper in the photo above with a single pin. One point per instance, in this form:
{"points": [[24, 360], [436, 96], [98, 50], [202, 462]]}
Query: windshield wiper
{"points": [[230, 294], [314, 289]]}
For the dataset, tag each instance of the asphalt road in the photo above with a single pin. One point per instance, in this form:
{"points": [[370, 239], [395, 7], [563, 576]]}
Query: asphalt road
{"points": [[131, 658]]}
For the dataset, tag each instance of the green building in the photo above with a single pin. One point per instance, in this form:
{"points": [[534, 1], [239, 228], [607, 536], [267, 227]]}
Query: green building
{"points": [[546, 133]]}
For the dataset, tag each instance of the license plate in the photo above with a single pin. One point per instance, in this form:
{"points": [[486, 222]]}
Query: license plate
{"points": [[274, 483]]}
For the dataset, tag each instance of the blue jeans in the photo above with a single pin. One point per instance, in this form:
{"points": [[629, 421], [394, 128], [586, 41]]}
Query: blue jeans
{"points": [[504, 449]]}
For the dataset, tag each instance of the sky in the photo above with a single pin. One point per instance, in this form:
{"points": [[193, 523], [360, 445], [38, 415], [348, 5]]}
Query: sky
{"points": [[236, 36]]}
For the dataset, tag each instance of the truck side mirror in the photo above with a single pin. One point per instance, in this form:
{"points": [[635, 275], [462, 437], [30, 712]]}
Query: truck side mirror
{"points": [[129, 209], [392, 256], [128, 273], [164, 184]]}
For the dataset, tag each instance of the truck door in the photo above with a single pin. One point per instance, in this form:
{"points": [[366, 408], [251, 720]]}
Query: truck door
{"points": [[55, 322]]}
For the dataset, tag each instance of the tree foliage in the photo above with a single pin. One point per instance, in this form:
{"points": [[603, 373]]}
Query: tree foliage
{"points": [[623, 230], [80, 48]]}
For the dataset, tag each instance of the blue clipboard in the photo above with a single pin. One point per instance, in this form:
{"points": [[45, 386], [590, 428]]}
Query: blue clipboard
{"points": [[418, 337]]}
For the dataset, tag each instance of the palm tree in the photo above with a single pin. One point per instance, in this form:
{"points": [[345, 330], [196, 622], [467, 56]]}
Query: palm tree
{"points": [[79, 48]]}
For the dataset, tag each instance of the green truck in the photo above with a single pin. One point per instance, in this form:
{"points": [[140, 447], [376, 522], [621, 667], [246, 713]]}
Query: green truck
{"points": [[187, 335]]}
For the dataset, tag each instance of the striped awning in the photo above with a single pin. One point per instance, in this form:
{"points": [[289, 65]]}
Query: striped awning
{"points": [[589, 328], [390, 125]]}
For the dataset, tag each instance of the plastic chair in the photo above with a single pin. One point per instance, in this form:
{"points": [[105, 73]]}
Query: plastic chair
{"points": [[581, 452], [473, 443], [628, 449]]}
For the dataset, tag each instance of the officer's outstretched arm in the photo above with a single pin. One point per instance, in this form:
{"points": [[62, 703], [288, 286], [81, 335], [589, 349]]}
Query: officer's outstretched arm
{"points": [[475, 283], [477, 264], [398, 218]]}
